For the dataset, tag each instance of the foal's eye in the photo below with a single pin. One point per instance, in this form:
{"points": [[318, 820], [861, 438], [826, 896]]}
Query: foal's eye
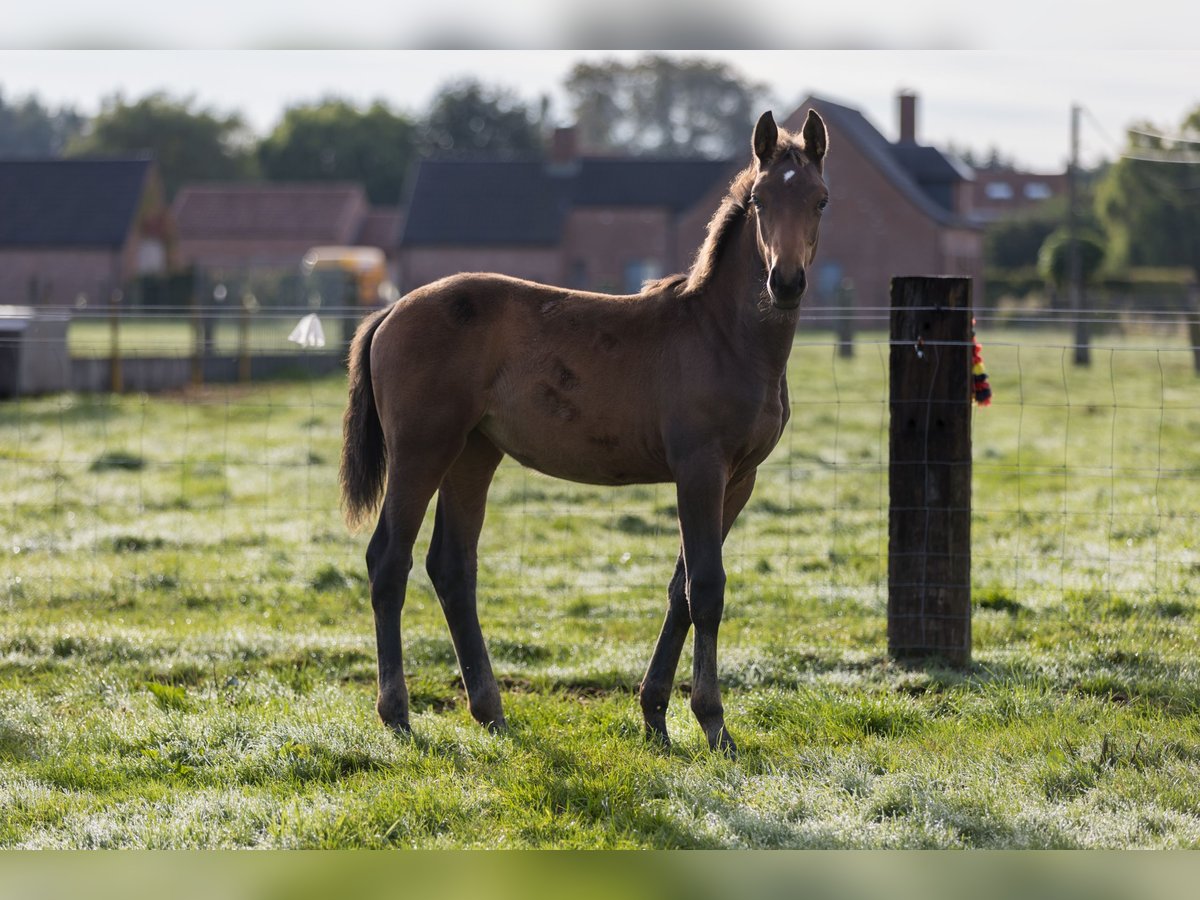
{"points": [[756, 201], [824, 203]]}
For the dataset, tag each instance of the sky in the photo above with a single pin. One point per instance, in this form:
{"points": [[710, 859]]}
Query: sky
{"points": [[1016, 101]]}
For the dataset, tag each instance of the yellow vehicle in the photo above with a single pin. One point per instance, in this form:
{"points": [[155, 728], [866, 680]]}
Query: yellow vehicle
{"points": [[363, 271]]}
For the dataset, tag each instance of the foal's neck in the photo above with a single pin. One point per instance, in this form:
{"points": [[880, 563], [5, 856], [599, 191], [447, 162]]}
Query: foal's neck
{"points": [[737, 298]]}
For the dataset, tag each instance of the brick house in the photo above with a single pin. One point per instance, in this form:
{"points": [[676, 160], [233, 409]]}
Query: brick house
{"points": [[608, 224], [381, 228], [1000, 192], [265, 225], [604, 224], [74, 230], [896, 208]]}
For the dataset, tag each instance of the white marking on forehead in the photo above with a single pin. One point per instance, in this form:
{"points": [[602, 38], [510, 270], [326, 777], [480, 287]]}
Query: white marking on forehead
{"points": [[788, 175]]}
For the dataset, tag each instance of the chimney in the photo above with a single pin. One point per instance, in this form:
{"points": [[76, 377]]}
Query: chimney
{"points": [[907, 102], [564, 145]]}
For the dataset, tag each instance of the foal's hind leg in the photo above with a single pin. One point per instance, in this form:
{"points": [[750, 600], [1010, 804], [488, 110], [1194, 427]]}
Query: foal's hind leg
{"points": [[413, 476], [655, 690], [453, 563]]}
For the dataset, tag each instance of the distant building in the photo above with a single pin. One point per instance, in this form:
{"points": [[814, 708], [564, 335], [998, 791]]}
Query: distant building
{"points": [[245, 225], [73, 231], [896, 208], [609, 224], [605, 224], [1001, 192], [381, 228]]}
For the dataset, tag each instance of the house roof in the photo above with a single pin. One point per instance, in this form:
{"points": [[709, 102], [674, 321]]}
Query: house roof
{"points": [[484, 202], [931, 165], [381, 227], [468, 202], [920, 173], [70, 202], [316, 212], [672, 183]]}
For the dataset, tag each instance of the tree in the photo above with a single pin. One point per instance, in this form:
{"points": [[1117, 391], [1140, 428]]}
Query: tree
{"points": [[28, 129], [992, 158], [1150, 207], [334, 140], [1014, 242], [1054, 259], [190, 143], [467, 117], [663, 106]]}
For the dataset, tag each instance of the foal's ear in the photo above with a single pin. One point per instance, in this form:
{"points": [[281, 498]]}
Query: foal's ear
{"points": [[766, 133], [816, 137]]}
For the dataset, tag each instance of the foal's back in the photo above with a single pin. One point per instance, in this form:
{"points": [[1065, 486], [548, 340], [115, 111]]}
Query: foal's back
{"points": [[573, 384]]}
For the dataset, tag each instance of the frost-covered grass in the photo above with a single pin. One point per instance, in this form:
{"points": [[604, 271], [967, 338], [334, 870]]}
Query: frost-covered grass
{"points": [[187, 658]]}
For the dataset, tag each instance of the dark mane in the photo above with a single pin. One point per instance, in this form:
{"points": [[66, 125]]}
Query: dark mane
{"points": [[732, 209]]}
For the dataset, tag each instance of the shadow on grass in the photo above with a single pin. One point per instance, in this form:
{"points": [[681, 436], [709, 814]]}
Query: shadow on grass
{"points": [[624, 801], [19, 745]]}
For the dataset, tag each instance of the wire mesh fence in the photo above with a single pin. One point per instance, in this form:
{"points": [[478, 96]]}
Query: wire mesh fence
{"points": [[1086, 492]]}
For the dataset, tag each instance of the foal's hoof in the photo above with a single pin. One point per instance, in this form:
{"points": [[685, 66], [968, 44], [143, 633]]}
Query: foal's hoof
{"points": [[721, 742], [490, 716], [393, 711], [400, 729], [657, 735], [394, 720]]}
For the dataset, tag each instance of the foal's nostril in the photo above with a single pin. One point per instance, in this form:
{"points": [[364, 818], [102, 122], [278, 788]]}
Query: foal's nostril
{"points": [[793, 285], [786, 292]]}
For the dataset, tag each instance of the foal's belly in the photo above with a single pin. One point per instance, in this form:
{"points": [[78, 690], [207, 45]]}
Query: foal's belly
{"points": [[579, 448]]}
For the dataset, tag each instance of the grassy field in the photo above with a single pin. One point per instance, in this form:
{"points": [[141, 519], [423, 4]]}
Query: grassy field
{"points": [[176, 336], [187, 654]]}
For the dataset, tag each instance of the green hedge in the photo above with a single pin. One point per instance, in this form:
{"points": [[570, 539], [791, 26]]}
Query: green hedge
{"points": [[1148, 288]]}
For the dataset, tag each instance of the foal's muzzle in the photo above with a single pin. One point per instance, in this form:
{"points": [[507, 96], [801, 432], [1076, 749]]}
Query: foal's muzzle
{"points": [[786, 292]]}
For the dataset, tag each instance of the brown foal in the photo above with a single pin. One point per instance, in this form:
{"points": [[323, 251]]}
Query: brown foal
{"points": [[684, 383]]}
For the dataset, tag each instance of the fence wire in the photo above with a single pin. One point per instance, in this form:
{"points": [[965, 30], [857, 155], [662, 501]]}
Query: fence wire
{"points": [[1086, 491]]}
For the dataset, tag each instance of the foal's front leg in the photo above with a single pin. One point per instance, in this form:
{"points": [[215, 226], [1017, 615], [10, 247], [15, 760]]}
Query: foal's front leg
{"points": [[655, 691], [701, 491]]}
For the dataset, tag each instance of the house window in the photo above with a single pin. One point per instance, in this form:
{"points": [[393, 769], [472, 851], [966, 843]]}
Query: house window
{"points": [[999, 190], [639, 271], [1037, 190]]}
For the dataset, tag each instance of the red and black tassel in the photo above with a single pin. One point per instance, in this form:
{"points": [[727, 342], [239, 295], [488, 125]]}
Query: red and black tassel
{"points": [[983, 390]]}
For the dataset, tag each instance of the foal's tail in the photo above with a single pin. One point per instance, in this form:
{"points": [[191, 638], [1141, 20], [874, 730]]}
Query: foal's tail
{"points": [[364, 462]]}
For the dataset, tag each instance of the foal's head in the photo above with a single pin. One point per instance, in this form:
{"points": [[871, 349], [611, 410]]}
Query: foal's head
{"points": [[787, 199]]}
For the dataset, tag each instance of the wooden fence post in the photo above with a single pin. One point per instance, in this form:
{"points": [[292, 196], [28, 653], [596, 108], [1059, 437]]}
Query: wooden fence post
{"points": [[197, 331], [846, 320], [249, 307], [1193, 324], [929, 528], [116, 374]]}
